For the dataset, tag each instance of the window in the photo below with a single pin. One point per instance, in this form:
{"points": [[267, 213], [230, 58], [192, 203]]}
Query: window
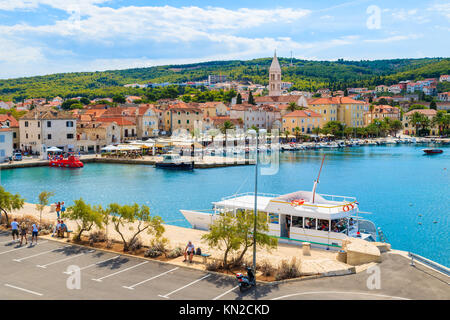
{"points": [[26, 123], [310, 223], [273, 218], [187, 121], [179, 121], [69, 124], [323, 225], [39, 137], [70, 136], [49, 137], [324, 111], [49, 124], [338, 225], [14, 135], [297, 222], [26, 135], [2, 138], [39, 124]]}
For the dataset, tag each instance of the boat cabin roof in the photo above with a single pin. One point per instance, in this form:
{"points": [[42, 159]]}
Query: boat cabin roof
{"points": [[297, 204]]}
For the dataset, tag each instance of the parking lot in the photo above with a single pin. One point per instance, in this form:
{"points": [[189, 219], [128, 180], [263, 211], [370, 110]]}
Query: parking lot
{"points": [[43, 271]]}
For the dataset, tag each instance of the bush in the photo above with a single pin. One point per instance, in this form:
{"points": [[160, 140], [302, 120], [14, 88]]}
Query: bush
{"points": [[109, 244], [266, 268], [175, 253], [135, 245], [157, 248], [214, 265], [288, 270], [97, 236]]}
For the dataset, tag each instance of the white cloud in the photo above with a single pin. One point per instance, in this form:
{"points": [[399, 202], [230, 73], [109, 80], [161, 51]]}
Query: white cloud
{"points": [[394, 38], [442, 8]]}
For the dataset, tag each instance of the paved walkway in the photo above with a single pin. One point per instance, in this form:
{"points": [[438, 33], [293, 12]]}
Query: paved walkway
{"points": [[44, 270]]}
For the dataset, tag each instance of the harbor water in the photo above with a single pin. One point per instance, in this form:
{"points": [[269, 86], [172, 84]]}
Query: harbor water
{"points": [[407, 192]]}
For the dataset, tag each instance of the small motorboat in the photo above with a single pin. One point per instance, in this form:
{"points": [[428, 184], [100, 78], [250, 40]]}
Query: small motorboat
{"points": [[433, 151], [174, 161], [71, 162]]}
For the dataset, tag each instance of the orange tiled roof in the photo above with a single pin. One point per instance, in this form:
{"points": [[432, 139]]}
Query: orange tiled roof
{"points": [[302, 113], [13, 123], [121, 121]]}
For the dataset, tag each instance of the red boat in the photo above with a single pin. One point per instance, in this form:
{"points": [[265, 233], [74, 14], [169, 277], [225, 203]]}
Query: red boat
{"points": [[432, 151], [70, 162]]}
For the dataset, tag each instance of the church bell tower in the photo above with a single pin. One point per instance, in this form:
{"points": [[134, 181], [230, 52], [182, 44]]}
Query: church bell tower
{"points": [[275, 77]]}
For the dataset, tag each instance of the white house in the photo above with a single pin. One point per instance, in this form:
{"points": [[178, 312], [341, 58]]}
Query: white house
{"points": [[6, 143]]}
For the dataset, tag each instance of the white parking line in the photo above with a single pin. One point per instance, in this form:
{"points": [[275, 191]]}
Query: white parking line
{"points": [[159, 275], [68, 258], [94, 264], [22, 289], [112, 274], [339, 293], [38, 254], [226, 292], [22, 247], [189, 284]]}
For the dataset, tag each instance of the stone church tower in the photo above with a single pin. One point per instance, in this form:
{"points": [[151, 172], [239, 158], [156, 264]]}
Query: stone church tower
{"points": [[275, 77]]}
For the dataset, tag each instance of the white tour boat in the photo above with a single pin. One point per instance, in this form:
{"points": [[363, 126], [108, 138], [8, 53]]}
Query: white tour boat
{"points": [[322, 220]]}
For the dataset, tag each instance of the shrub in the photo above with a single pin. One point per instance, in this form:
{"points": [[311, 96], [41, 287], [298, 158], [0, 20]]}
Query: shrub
{"points": [[266, 268], [175, 253], [214, 265], [109, 244], [288, 270], [135, 245], [157, 248], [97, 236]]}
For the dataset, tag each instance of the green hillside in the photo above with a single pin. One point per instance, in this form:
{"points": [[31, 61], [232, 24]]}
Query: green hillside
{"points": [[306, 75]]}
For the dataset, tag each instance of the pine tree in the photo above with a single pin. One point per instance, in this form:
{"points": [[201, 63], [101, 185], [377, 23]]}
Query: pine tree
{"points": [[239, 99], [251, 100]]}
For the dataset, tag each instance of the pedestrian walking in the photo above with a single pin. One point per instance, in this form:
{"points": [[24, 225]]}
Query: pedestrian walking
{"points": [[23, 233], [15, 229], [58, 209], [34, 232]]}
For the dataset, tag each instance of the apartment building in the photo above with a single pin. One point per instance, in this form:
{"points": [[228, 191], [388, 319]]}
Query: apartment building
{"points": [[343, 109], [305, 120], [45, 127]]}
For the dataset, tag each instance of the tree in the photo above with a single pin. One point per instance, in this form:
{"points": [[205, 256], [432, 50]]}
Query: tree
{"points": [[134, 214], [251, 100], [119, 98], [84, 216], [334, 127], [433, 105], [85, 101], [297, 132], [316, 130], [44, 197], [232, 233], [416, 120], [71, 104], [442, 120], [348, 131], [226, 126], [396, 126], [9, 202], [239, 99], [292, 106]]}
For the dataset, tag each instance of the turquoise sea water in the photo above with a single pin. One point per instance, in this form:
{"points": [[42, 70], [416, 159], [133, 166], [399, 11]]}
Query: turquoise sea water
{"points": [[396, 184]]}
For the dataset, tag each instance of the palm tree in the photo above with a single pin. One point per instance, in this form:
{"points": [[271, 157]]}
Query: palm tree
{"points": [[286, 134], [441, 119], [227, 125], [416, 120], [371, 107], [292, 106], [396, 126], [316, 130], [297, 131]]}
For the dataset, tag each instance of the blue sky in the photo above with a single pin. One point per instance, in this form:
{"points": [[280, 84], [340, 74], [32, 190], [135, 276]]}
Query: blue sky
{"points": [[40, 37]]}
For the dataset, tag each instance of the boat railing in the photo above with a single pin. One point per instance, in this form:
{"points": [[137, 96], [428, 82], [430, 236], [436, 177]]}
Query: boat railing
{"points": [[331, 197], [260, 194]]}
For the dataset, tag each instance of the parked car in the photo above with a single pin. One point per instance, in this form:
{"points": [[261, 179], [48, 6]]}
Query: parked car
{"points": [[17, 157]]}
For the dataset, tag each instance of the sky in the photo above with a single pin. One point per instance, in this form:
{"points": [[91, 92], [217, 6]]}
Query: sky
{"points": [[39, 37]]}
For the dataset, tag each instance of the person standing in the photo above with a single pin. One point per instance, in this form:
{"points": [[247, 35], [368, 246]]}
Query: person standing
{"points": [[15, 229], [34, 232], [58, 209], [63, 208], [23, 233]]}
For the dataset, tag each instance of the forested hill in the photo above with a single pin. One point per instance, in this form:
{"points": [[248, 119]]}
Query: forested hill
{"points": [[306, 75]]}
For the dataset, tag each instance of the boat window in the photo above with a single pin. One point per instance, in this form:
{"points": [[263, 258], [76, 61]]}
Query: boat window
{"points": [[310, 223], [273, 218], [323, 225], [338, 225], [297, 222]]}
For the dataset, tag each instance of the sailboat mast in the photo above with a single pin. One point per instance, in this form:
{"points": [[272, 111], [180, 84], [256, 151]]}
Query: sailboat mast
{"points": [[317, 181]]}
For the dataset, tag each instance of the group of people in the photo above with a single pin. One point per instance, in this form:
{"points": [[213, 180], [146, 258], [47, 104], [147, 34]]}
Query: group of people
{"points": [[23, 230], [60, 209], [59, 229]]}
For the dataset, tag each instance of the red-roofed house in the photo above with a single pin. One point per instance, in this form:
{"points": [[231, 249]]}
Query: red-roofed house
{"points": [[305, 120], [262, 116], [343, 109], [380, 112], [410, 129], [7, 120]]}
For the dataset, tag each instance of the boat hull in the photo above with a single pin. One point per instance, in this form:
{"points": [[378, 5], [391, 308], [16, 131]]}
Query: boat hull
{"points": [[175, 166], [433, 151]]}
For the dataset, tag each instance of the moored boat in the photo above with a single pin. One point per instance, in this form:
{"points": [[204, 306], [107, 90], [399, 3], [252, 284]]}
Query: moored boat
{"points": [[71, 162], [174, 161], [433, 151]]}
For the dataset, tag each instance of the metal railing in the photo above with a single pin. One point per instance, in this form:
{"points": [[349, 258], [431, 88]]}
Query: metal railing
{"points": [[433, 265]]}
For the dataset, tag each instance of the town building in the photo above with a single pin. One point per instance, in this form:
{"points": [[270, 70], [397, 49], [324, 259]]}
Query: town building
{"points": [[410, 129], [305, 120], [444, 96], [259, 116], [94, 135], [275, 77], [444, 77], [343, 109], [215, 78], [380, 112], [8, 121], [6, 143], [45, 127], [183, 116]]}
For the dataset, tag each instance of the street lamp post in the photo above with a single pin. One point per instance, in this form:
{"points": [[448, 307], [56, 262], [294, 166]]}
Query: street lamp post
{"points": [[255, 210]]}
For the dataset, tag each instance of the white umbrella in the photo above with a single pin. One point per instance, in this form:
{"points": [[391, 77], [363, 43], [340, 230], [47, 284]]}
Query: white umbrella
{"points": [[110, 148], [53, 149]]}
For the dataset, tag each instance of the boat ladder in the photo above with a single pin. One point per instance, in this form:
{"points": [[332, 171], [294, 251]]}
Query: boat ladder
{"points": [[382, 236]]}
